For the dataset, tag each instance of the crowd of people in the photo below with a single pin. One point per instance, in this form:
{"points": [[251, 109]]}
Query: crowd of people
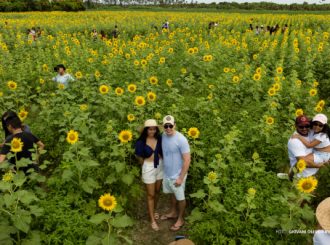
{"points": [[269, 29]]}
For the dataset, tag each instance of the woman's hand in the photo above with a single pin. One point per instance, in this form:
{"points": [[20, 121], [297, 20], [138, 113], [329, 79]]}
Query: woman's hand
{"points": [[295, 136]]}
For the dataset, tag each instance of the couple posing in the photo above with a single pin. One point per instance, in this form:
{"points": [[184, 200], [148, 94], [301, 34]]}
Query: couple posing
{"points": [[311, 143], [164, 156]]}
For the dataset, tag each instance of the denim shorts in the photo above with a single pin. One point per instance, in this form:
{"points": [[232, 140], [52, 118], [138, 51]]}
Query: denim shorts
{"points": [[178, 191], [321, 157]]}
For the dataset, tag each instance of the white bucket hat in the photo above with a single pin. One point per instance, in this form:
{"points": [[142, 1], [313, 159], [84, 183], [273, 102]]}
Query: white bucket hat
{"points": [[150, 123]]}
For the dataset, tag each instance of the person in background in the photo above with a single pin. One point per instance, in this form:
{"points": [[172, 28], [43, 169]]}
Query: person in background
{"points": [[115, 32], [62, 77], [24, 143], [322, 234]]}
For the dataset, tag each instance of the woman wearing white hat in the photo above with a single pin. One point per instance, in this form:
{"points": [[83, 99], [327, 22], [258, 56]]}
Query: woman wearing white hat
{"points": [[320, 141], [148, 150], [322, 236]]}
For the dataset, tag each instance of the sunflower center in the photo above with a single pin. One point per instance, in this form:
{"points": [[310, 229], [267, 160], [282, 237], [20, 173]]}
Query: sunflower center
{"points": [[107, 202], [72, 137], [306, 185], [125, 137]]}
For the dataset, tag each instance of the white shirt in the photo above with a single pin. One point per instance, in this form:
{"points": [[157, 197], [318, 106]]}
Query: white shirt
{"points": [[63, 79], [297, 149], [321, 237], [323, 137]]}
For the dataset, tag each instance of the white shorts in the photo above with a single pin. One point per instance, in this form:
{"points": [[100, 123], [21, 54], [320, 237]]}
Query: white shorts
{"points": [[321, 157], [178, 191], [150, 174]]}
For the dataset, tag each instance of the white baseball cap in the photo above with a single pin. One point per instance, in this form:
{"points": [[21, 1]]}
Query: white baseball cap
{"points": [[168, 119], [320, 118]]}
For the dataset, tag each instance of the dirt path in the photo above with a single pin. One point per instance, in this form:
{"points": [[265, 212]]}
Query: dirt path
{"points": [[144, 235]]}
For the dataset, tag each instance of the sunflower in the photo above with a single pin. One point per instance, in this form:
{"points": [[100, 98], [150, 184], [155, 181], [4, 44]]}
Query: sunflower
{"points": [[271, 92], [22, 114], [144, 62], [226, 70], [279, 70], [151, 96], [131, 88], [205, 58], [104, 89], [16, 145], [61, 86], [162, 60], [158, 115], [41, 81], [212, 176], [277, 86], [191, 51], [136, 62], [258, 70], [45, 67], [169, 82], [97, 74], [256, 77], [298, 83], [193, 133], [12, 85], [255, 56], [251, 191], [72, 137], [119, 91], [107, 202], [313, 92], [170, 50], [130, 117], [195, 50], [125, 136], [183, 70], [140, 101], [299, 112], [83, 107], [318, 109], [153, 80], [235, 79], [315, 84], [270, 120], [78, 74], [7, 177], [301, 165], [307, 185], [321, 103]]}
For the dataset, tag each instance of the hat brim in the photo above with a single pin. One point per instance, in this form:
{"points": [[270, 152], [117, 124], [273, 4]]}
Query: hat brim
{"points": [[323, 214]]}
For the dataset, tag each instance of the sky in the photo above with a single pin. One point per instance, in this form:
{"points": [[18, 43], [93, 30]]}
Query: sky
{"points": [[274, 1]]}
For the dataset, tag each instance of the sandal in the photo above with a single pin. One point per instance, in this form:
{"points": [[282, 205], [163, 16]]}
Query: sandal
{"points": [[176, 228], [165, 217], [154, 226], [156, 215]]}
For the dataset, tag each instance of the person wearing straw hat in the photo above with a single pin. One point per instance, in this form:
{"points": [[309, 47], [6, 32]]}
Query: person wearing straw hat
{"points": [[322, 236], [176, 152], [148, 150]]}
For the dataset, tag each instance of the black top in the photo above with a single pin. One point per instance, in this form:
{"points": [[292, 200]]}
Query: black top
{"points": [[145, 151], [27, 139]]}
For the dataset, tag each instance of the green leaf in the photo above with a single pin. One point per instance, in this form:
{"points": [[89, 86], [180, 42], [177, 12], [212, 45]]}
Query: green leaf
{"points": [[93, 240], [120, 166], [200, 194], [128, 178], [36, 211], [9, 200], [270, 222], [195, 215], [34, 239], [4, 186], [122, 221], [26, 197], [89, 185], [22, 222], [216, 206], [67, 175], [98, 218]]}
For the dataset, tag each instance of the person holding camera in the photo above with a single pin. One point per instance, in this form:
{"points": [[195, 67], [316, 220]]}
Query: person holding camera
{"points": [[62, 77]]}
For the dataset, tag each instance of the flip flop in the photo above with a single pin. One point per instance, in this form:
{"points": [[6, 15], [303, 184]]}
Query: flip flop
{"points": [[154, 226], [165, 217], [176, 228]]}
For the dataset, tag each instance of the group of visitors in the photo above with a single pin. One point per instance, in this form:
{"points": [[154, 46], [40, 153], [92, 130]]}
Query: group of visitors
{"points": [[271, 29]]}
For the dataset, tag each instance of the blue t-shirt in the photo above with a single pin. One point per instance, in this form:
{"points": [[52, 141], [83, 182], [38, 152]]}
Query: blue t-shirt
{"points": [[173, 148]]}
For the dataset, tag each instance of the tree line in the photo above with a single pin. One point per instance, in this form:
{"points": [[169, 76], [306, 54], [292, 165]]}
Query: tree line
{"points": [[79, 5]]}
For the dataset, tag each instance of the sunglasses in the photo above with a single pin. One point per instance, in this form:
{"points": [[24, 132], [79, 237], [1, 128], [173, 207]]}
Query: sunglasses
{"points": [[305, 126], [318, 124], [168, 126]]}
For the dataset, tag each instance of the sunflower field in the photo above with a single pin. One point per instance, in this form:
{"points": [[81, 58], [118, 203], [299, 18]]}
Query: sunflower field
{"points": [[233, 93]]}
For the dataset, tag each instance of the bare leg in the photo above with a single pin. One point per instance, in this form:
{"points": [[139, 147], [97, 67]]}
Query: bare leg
{"points": [[157, 191], [151, 201], [182, 206]]}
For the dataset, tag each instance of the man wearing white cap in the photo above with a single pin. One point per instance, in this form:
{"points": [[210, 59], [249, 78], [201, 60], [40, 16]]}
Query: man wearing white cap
{"points": [[176, 159]]}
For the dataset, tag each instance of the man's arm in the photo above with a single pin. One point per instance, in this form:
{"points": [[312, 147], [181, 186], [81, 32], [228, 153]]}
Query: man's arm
{"points": [[186, 163]]}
